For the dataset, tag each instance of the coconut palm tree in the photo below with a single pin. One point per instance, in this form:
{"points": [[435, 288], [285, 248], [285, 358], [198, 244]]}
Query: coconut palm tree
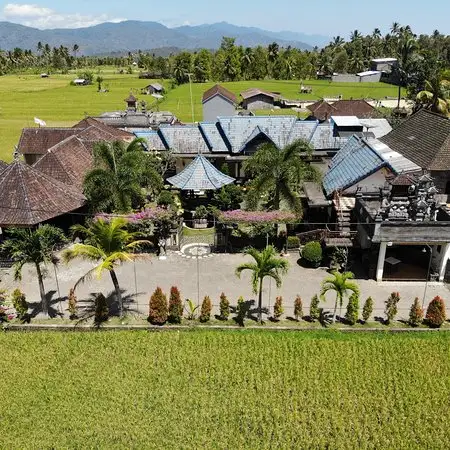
{"points": [[266, 264], [108, 243], [120, 172], [341, 284], [37, 247], [405, 50], [279, 173], [435, 96]]}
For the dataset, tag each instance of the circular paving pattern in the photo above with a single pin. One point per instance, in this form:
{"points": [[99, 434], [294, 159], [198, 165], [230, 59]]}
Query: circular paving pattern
{"points": [[196, 251]]}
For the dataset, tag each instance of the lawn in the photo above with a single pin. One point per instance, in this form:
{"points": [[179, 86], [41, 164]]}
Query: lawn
{"points": [[207, 389], [24, 97]]}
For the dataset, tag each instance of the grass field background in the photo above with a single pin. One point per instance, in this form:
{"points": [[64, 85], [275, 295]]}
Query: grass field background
{"points": [[23, 97], [207, 389]]}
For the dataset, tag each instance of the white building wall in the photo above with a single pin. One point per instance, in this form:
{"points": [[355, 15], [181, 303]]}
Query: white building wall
{"points": [[217, 106], [370, 184]]}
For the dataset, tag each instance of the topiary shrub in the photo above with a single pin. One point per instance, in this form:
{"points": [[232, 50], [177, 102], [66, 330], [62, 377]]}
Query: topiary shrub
{"points": [[20, 304], [436, 312], [201, 212], [415, 314], [351, 316], [72, 307], [298, 308], [158, 309], [101, 309], [205, 312], [175, 306], [224, 307], [241, 311], [312, 253], [293, 242], [314, 310], [391, 307], [278, 308], [367, 309]]}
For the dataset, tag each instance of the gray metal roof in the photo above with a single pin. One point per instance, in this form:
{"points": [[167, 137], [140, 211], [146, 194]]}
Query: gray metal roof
{"points": [[154, 141], [184, 139], [200, 175], [358, 159], [213, 137]]}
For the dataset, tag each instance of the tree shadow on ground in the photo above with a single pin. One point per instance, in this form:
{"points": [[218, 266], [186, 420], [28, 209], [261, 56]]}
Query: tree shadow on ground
{"points": [[247, 310], [55, 308], [86, 307]]}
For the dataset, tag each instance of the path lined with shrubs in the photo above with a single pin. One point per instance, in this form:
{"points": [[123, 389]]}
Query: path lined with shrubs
{"points": [[217, 275]]}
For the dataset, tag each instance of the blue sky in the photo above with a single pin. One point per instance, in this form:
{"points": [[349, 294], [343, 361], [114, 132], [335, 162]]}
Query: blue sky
{"points": [[326, 17]]}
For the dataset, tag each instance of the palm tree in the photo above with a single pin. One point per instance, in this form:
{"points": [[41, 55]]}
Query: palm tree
{"points": [[36, 247], [341, 284], [395, 28], [119, 174], [406, 48], [266, 264], [279, 172], [109, 243], [434, 96]]}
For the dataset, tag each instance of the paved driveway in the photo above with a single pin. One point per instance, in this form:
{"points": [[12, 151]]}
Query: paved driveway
{"points": [[216, 275]]}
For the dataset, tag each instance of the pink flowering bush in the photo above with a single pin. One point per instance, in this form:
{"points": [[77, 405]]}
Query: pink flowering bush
{"points": [[240, 216], [152, 214]]}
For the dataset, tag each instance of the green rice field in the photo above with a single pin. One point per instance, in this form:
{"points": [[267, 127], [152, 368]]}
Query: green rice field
{"points": [[23, 97], [225, 390]]}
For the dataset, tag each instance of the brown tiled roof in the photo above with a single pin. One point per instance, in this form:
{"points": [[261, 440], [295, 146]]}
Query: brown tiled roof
{"points": [[359, 108], [252, 92], [30, 197], [424, 139], [3, 166], [37, 141], [219, 90], [322, 110], [116, 132], [131, 98], [96, 134], [67, 162]]}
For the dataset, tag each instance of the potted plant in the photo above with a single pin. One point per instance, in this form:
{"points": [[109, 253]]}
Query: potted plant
{"points": [[312, 253], [200, 217]]}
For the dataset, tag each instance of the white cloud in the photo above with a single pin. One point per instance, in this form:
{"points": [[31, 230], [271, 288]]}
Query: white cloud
{"points": [[44, 18]]}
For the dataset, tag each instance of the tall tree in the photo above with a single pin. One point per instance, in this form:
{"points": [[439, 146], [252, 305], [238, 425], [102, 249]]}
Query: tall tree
{"points": [[278, 173], [108, 243], [35, 247], [120, 173], [266, 264], [341, 284]]}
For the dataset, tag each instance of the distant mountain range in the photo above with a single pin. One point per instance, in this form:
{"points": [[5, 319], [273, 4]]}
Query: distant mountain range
{"points": [[133, 35]]}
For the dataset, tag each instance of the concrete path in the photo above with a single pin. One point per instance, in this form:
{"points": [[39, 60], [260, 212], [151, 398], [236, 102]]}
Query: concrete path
{"points": [[216, 275]]}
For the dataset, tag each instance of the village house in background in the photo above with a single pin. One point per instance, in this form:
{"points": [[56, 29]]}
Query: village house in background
{"points": [[218, 102], [255, 99]]}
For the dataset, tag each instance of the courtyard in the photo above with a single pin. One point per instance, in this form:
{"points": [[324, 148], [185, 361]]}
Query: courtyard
{"points": [[208, 275]]}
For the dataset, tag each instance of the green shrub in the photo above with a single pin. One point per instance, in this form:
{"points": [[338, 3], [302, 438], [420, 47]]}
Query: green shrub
{"points": [[101, 309], [312, 252], [175, 306], [201, 212], [367, 309], [351, 316], [278, 308], [191, 308], [298, 308], [314, 311], [436, 312], [241, 311], [205, 312], [293, 242], [391, 307], [224, 307], [20, 304], [72, 300], [158, 309], [415, 313], [165, 198]]}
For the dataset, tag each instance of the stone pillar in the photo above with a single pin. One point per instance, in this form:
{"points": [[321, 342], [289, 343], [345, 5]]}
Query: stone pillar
{"points": [[381, 258], [445, 254]]}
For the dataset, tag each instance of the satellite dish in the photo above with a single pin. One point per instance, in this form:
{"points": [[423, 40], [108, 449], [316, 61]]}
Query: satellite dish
{"points": [[158, 96]]}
